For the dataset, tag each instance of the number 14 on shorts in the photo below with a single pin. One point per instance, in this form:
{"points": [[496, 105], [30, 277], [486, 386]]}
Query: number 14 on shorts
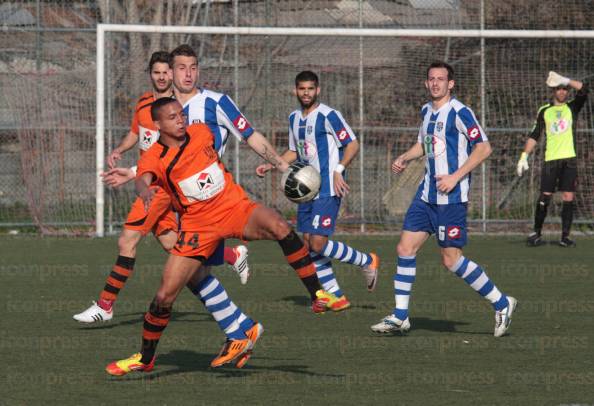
{"points": [[190, 240]]}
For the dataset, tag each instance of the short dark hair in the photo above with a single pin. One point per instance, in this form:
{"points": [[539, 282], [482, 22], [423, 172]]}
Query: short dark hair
{"points": [[158, 104], [159, 57], [183, 50], [441, 64], [306, 76]]}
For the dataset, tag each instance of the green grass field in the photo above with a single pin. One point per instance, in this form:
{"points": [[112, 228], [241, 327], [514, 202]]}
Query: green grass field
{"points": [[449, 357]]}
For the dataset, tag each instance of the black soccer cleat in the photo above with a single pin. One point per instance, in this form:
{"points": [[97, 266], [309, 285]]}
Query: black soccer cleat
{"points": [[566, 242], [535, 240]]}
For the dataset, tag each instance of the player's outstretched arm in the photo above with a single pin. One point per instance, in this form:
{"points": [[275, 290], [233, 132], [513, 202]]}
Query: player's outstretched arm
{"points": [[400, 163], [262, 147], [481, 151], [117, 177], [289, 156], [127, 143]]}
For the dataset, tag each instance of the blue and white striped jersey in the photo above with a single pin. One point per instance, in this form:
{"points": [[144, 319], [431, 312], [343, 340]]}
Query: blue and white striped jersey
{"points": [[318, 140], [220, 114], [448, 136]]}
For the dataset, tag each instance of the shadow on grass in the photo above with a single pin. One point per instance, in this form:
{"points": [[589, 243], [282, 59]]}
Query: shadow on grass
{"points": [[184, 361], [138, 318], [298, 300], [427, 324]]}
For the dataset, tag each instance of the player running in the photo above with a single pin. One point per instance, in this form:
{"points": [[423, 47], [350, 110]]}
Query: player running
{"points": [[319, 136], [212, 207], [454, 144], [558, 119], [159, 219]]}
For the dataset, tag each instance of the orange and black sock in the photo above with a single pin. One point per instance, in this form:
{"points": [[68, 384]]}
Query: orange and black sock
{"points": [[116, 280], [298, 257], [155, 321]]}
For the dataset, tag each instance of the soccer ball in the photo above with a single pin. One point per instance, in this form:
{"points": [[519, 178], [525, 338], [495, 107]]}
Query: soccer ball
{"points": [[301, 183]]}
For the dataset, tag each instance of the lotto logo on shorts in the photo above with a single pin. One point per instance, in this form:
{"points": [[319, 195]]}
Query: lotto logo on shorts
{"points": [[474, 132], [454, 233], [326, 221], [343, 134], [241, 123]]}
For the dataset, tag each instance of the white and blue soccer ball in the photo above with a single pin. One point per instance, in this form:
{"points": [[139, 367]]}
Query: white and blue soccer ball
{"points": [[301, 183]]}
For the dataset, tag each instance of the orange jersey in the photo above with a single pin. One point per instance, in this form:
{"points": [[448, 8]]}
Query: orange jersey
{"points": [[200, 187], [142, 123]]}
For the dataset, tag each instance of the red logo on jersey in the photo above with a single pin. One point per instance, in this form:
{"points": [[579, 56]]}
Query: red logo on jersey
{"points": [[241, 123], [147, 137], [205, 181], [343, 134], [454, 232], [326, 221], [474, 132]]}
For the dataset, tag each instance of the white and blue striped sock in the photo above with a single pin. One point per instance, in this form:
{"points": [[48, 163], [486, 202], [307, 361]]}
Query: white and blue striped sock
{"points": [[344, 253], [480, 282], [325, 274], [228, 316], [406, 270]]}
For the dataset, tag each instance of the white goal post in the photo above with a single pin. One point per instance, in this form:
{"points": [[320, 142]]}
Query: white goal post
{"points": [[360, 33]]}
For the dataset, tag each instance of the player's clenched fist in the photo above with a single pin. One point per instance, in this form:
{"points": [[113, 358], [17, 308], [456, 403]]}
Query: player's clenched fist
{"points": [[262, 169], [399, 164]]}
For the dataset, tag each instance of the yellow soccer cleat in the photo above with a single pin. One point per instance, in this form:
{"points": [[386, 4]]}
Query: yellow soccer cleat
{"points": [[125, 366], [326, 300], [230, 351], [253, 334], [341, 303]]}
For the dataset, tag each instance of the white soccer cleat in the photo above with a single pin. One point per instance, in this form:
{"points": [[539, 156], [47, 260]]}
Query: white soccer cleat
{"points": [[241, 264], [390, 324], [503, 318], [94, 314]]}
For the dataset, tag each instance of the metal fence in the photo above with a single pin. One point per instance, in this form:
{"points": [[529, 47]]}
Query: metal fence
{"points": [[47, 114]]}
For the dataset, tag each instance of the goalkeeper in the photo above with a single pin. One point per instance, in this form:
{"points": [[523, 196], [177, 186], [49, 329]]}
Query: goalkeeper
{"points": [[558, 120]]}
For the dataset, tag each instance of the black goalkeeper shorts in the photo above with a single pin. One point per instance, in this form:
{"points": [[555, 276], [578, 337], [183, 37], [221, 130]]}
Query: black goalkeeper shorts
{"points": [[560, 174]]}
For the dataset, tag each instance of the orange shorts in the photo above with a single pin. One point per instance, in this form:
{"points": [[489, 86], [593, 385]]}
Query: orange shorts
{"points": [[202, 242], [159, 218]]}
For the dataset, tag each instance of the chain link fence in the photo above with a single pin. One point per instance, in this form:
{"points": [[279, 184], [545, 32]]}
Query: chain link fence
{"points": [[47, 114]]}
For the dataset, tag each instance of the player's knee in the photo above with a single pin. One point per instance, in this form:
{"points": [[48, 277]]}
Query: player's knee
{"points": [[449, 261], [128, 241], [544, 199], [316, 245], [280, 229], [405, 250]]}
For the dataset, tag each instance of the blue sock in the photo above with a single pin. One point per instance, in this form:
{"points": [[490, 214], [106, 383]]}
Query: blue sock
{"points": [[480, 282], [406, 270], [223, 310], [344, 253], [325, 274]]}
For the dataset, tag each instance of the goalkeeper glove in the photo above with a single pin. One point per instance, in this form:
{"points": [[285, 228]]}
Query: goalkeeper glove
{"points": [[555, 80], [522, 164]]}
